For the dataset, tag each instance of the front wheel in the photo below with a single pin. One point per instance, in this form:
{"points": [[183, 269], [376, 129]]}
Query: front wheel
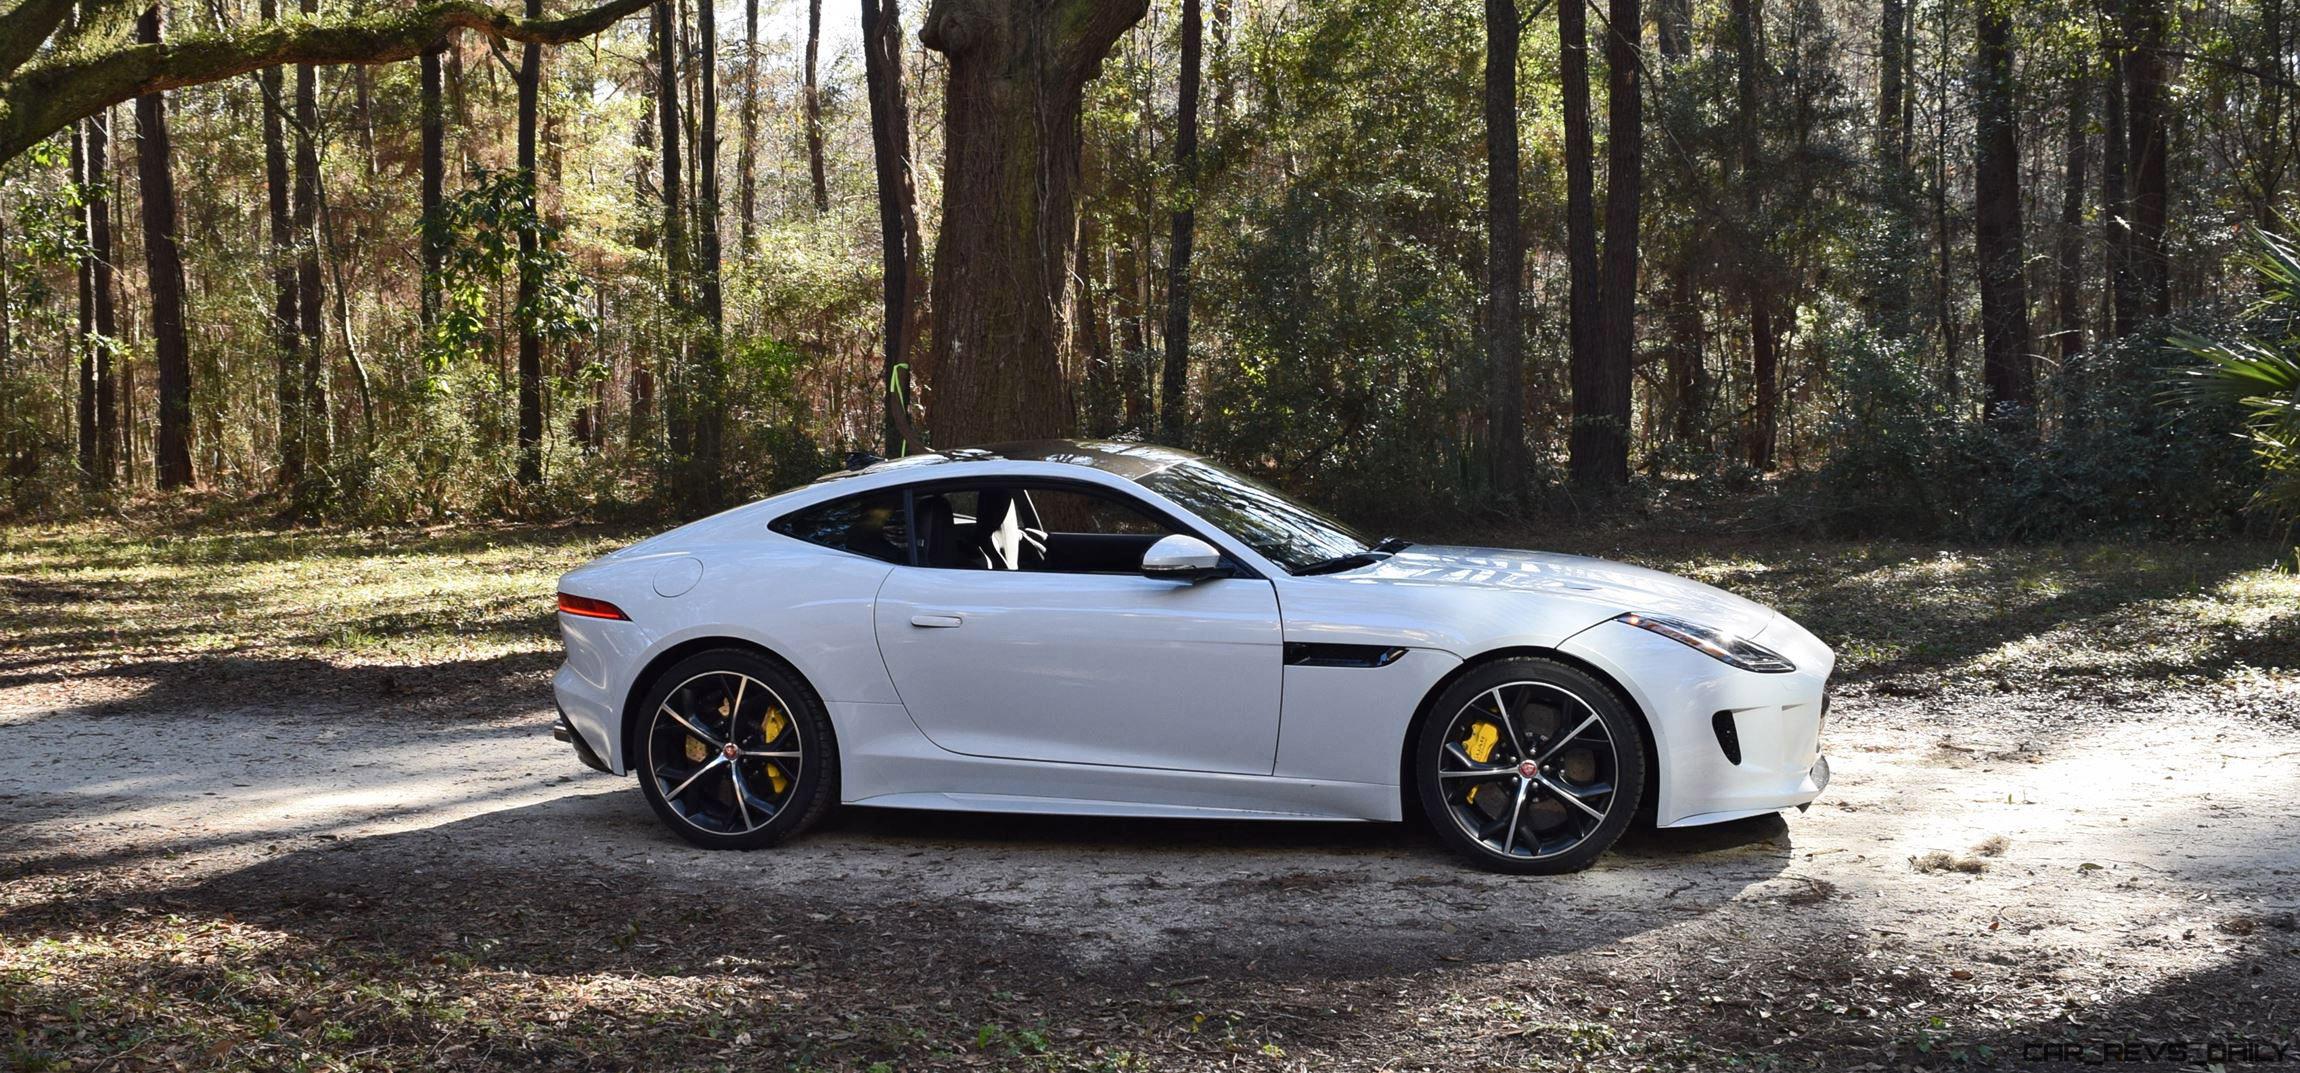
{"points": [[735, 752], [1530, 766]]}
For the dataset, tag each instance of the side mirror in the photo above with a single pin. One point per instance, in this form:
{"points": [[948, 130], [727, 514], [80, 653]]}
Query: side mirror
{"points": [[1182, 558]]}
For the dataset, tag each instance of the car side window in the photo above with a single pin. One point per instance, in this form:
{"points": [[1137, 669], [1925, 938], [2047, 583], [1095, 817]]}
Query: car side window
{"points": [[1033, 528], [1066, 510], [869, 524]]}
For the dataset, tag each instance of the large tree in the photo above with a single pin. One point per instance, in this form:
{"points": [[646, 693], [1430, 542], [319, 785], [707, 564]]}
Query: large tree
{"points": [[99, 400], [1505, 254], [1755, 269], [1010, 175], [1174, 379], [746, 148], [709, 388], [432, 117], [171, 351], [2007, 368], [287, 330], [2068, 244], [315, 434], [814, 103], [55, 71], [530, 334], [899, 244], [1583, 330], [1600, 445], [2147, 101]]}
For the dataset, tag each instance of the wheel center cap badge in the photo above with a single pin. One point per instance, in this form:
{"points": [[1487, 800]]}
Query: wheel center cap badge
{"points": [[1528, 770], [731, 750]]}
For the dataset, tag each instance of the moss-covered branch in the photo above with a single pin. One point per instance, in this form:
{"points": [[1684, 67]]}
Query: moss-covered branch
{"points": [[24, 25], [51, 94]]}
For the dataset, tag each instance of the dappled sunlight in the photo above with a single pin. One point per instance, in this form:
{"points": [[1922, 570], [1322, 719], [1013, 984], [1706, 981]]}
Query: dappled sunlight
{"points": [[207, 785]]}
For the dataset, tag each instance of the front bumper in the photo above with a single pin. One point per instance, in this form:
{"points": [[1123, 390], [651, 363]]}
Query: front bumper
{"points": [[1728, 743]]}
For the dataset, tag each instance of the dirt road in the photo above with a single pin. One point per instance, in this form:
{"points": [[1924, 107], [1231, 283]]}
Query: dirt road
{"points": [[287, 800], [2137, 878]]}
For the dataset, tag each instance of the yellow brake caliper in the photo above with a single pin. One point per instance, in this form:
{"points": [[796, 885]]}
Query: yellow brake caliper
{"points": [[1479, 745], [769, 730]]}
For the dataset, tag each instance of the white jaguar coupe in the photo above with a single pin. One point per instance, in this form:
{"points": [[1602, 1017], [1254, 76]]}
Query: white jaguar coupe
{"points": [[1113, 629]]}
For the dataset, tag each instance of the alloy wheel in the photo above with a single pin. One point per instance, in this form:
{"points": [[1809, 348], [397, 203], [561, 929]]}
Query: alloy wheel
{"points": [[725, 752], [1528, 770]]}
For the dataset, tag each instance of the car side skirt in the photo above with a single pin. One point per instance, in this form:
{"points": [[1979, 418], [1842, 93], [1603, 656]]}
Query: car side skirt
{"points": [[885, 761]]}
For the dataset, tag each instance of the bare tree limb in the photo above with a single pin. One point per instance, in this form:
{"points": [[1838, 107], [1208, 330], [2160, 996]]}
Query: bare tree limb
{"points": [[48, 96]]}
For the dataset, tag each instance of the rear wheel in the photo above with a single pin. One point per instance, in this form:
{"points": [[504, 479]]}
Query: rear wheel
{"points": [[735, 752], [1530, 766]]}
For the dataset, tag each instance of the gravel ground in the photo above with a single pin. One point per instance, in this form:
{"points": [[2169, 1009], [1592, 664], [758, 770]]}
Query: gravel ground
{"points": [[299, 863]]}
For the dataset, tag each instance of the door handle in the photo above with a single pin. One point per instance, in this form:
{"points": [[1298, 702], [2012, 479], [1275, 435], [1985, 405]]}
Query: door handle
{"points": [[937, 621]]}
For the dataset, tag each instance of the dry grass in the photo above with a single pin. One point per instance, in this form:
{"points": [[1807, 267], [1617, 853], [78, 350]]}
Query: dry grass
{"points": [[1941, 860]]}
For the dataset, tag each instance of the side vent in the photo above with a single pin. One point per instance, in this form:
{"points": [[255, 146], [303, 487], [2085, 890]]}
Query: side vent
{"points": [[1313, 654], [1728, 736]]}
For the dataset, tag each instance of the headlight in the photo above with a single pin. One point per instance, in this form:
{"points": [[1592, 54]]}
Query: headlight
{"points": [[1717, 644]]}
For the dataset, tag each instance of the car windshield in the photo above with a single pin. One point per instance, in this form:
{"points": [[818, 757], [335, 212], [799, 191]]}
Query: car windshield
{"points": [[1286, 532]]}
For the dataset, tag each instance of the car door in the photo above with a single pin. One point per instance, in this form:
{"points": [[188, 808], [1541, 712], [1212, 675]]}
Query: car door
{"points": [[1057, 653]]}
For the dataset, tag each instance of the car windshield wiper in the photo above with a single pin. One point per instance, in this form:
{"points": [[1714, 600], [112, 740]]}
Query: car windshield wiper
{"points": [[1340, 563], [1392, 544]]}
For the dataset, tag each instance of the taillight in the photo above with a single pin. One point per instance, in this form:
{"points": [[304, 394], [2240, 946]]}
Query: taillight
{"points": [[587, 607]]}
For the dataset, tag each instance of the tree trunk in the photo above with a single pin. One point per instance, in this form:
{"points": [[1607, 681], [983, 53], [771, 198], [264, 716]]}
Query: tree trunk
{"points": [[101, 285], [1688, 372], [1892, 138], [1688, 375], [1756, 293], [287, 332], [1221, 17], [2008, 370], [2150, 143], [170, 350], [646, 235], [317, 436], [1944, 313], [433, 120], [899, 245], [710, 369], [1011, 109], [674, 218], [1583, 326], [2068, 297], [84, 272], [746, 162], [1505, 255], [814, 103], [1093, 342], [1600, 448], [530, 338], [2115, 180], [1132, 333], [1174, 381]]}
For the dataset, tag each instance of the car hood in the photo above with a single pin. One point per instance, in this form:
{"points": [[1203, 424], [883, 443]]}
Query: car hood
{"points": [[1610, 587]]}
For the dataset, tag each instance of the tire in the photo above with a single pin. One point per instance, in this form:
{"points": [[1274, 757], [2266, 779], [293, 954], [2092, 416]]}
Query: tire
{"points": [[1589, 755], [782, 774]]}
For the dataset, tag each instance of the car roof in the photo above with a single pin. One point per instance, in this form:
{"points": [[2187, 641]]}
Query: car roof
{"points": [[1132, 461]]}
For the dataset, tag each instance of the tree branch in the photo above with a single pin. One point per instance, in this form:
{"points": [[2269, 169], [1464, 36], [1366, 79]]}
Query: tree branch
{"points": [[47, 97], [24, 26]]}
